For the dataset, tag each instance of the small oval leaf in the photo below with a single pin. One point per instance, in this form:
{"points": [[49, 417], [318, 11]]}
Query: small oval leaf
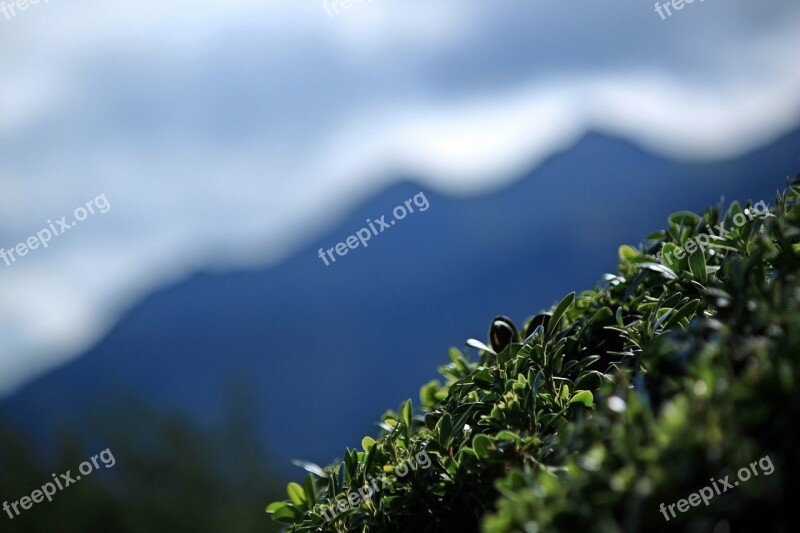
{"points": [[584, 396]]}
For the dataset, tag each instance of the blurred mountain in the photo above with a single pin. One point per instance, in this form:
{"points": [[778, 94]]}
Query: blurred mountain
{"points": [[326, 350]]}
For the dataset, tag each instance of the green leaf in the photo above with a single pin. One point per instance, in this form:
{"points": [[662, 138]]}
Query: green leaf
{"points": [[664, 315], [687, 219], [296, 493], [684, 312], [509, 436], [668, 257], [627, 253], [308, 489], [283, 512], [536, 383], [604, 315], [564, 394], [274, 506], [591, 378], [559, 312], [367, 443], [371, 454], [536, 331], [697, 265], [584, 396], [733, 210], [481, 444], [665, 272], [466, 451], [483, 379], [350, 464], [406, 415], [427, 394], [587, 361], [445, 429], [459, 361]]}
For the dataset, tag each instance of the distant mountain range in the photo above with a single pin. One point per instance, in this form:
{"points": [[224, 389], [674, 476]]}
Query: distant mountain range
{"points": [[326, 350]]}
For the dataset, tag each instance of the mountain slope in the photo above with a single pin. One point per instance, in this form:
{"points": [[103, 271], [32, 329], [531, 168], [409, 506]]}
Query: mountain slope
{"points": [[363, 333]]}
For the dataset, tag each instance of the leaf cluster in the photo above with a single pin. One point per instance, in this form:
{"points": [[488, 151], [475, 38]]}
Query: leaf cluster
{"points": [[614, 401]]}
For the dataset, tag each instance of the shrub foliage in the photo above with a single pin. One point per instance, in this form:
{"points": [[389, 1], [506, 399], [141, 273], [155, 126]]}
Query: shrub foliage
{"points": [[621, 398]]}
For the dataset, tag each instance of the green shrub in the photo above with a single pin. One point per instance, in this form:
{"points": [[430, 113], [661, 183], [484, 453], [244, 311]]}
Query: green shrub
{"points": [[621, 398]]}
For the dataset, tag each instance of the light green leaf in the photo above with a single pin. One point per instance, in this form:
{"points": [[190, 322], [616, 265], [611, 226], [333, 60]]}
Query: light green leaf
{"points": [[296, 493], [406, 415], [627, 253], [367, 443], [584, 396]]}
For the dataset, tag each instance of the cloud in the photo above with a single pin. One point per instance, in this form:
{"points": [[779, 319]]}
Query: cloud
{"points": [[227, 134]]}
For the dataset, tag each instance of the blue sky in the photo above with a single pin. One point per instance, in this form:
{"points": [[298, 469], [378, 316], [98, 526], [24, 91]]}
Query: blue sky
{"points": [[226, 134]]}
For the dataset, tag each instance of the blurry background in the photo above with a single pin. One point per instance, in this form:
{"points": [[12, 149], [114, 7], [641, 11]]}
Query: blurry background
{"points": [[194, 330]]}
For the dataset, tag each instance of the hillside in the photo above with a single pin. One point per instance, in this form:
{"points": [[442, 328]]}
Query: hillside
{"points": [[640, 405]]}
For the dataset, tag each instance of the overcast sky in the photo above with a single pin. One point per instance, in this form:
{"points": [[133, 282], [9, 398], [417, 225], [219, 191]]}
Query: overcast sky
{"points": [[227, 134]]}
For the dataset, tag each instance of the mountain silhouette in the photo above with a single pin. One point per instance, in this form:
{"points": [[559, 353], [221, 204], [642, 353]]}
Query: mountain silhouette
{"points": [[326, 350]]}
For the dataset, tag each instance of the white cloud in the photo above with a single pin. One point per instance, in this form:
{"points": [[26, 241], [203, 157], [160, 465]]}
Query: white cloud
{"points": [[227, 133]]}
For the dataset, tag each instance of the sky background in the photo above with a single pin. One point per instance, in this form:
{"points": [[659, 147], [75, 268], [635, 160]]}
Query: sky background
{"points": [[228, 135]]}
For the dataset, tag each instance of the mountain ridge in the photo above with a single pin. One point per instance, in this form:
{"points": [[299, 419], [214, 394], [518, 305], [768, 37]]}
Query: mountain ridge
{"points": [[379, 320]]}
